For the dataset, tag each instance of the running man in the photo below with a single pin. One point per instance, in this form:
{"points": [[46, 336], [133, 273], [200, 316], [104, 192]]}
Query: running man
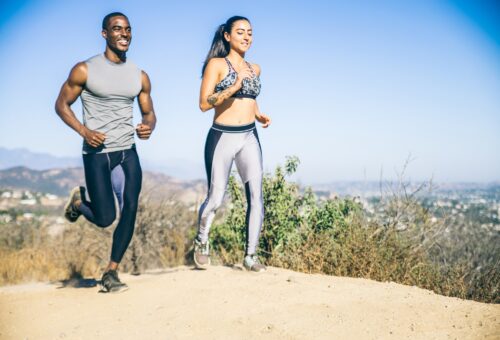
{"points": [[107, 85]]}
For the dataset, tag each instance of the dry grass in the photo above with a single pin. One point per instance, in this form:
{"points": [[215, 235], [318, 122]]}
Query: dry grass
{"points": [[164, 231], [31, 252], [381, 256]]}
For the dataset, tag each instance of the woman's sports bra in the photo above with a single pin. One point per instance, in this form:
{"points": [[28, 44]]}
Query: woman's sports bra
{"points": [[250, 87]]}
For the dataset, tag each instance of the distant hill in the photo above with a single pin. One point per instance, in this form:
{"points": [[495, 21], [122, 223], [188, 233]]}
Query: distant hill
{"points": [[179, 168], [35, 160], [24, 169], [54, 181], [376, 188], [60, 181]]}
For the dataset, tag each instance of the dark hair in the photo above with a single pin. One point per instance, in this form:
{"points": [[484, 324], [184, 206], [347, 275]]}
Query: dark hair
{"points": [[108, 17], [220, 47]]}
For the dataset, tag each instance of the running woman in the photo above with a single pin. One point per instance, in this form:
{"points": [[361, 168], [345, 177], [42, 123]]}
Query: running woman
{"points": [[107, 84], [230, 86]]}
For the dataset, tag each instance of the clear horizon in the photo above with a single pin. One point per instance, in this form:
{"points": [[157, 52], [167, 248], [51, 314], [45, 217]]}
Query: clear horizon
{"points": [[179, 172], [353, 89]]}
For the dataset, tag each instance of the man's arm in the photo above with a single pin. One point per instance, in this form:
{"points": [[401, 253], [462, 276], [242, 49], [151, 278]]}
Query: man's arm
{"points": [[70, 91], [148, 124]]}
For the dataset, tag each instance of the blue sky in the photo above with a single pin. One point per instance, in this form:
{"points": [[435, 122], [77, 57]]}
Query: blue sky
{"points": [[353, 87]]}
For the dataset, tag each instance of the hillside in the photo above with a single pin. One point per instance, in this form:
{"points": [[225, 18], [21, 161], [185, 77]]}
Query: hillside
{"points": [[60, 181]]}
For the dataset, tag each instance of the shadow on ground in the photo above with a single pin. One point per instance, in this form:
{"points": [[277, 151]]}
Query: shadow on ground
{"points": [[78, 282]]}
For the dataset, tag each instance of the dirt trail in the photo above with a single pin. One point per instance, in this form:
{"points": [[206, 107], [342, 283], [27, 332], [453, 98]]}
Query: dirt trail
{"points": [[227, 303]]}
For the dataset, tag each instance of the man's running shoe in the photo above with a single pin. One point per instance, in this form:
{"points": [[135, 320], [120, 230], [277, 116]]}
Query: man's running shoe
{"points": [[111, 283], [71, 213], [201, 254], [252, 263]]}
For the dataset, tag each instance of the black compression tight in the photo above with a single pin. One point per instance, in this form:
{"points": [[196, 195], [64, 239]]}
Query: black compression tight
{"points": [[101, 209]]}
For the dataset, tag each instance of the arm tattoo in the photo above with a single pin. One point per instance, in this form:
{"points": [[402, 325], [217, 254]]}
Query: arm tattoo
{"points": [[212, 99], [219, 97]]}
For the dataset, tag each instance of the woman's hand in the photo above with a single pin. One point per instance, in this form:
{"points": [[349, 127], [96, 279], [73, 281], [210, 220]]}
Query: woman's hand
{"points": [[263, 119], [245, 72]]}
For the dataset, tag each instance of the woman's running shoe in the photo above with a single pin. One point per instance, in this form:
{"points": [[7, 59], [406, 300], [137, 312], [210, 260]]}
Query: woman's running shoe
{"points": [[252, 263], [201, 254]]}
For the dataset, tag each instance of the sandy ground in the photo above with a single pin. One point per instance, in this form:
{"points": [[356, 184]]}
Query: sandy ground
{"points": [[228, 303]]}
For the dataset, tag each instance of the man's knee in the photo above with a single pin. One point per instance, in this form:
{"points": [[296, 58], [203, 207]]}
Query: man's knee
{"points": [[105, 220]]}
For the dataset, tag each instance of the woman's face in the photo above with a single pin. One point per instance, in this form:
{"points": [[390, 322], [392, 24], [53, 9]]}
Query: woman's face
{"points": [[240, 38]]}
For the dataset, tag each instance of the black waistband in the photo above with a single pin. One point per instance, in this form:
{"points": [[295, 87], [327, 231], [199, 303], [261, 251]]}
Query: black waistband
{"points": [[233, 128], [243, 95]]}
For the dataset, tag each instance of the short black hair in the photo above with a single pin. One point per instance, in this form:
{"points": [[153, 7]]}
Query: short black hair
{"points": [[106, 19]]}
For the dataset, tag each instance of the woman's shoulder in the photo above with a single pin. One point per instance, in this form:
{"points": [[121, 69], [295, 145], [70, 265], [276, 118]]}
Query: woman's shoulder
{"points": [[216, 62], [217, 65], [256, 68]]}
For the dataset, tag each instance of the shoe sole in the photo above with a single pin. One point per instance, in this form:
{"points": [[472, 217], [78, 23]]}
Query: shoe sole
{"points": [[119, 290], [201, 266], [68, 203], [254, 271], [116, 291]]}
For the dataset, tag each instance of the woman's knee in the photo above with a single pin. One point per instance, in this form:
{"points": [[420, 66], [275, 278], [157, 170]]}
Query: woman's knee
{"points": [[214, 202]]}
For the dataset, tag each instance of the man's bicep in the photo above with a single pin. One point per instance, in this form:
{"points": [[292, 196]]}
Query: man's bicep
{"points": [[73, 86], [70, 92], [145, 102], [145, 83], [144, 97]]}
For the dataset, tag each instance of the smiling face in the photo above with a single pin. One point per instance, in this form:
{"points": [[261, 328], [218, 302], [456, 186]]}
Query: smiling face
{"points": [[240, 37], [118, 34]]}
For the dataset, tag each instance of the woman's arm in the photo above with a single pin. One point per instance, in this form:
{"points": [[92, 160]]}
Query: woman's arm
{"points": [[259, 116], [262, 118], [209, 99]]}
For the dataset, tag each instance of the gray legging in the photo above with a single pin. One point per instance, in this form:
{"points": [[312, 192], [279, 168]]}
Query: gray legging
{"points": [[224, 145]]}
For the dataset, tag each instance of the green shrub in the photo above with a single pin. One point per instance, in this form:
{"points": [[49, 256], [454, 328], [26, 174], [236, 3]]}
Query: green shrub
{"points": [[335, 237]]}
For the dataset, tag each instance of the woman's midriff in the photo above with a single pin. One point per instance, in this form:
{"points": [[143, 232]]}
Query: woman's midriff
{"points": [[236, 111]]}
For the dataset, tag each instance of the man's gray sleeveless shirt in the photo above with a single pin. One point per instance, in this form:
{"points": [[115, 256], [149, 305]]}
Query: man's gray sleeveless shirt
{"points": [[108, 99]]}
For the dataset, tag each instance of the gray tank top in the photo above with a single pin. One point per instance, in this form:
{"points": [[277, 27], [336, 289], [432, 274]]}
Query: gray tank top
{"points": [[107, 101]]}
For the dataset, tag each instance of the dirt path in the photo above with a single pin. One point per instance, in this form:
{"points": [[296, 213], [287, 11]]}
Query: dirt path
{"points": [[226, 303]]}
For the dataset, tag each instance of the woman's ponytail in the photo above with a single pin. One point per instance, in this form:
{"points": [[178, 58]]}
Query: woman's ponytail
{"points": [[220, 46]]}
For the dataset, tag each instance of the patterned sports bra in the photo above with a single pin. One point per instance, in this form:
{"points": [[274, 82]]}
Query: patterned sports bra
{"points": [[250, 87]]}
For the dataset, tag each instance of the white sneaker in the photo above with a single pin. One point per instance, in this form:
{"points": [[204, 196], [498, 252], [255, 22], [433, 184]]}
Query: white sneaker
{"points": [[201, 254], [252, 263]]}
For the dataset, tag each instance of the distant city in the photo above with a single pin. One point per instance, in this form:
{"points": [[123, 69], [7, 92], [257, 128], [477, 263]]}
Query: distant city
{"points": [[35, 195], [33, 186]]}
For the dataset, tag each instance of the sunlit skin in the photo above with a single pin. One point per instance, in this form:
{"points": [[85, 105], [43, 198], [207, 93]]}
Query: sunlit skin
{"points": [[118, 35], [232, 111]]}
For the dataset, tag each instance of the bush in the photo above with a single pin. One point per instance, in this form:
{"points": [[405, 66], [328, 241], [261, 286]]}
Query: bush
{"points": [[335, 237]]}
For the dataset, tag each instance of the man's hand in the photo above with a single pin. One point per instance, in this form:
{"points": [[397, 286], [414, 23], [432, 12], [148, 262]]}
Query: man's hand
{"points": [[94, 138], [143, 131]]}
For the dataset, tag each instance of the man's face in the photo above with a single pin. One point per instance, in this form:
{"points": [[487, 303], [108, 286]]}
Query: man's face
{"points": [[118, 34]]}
